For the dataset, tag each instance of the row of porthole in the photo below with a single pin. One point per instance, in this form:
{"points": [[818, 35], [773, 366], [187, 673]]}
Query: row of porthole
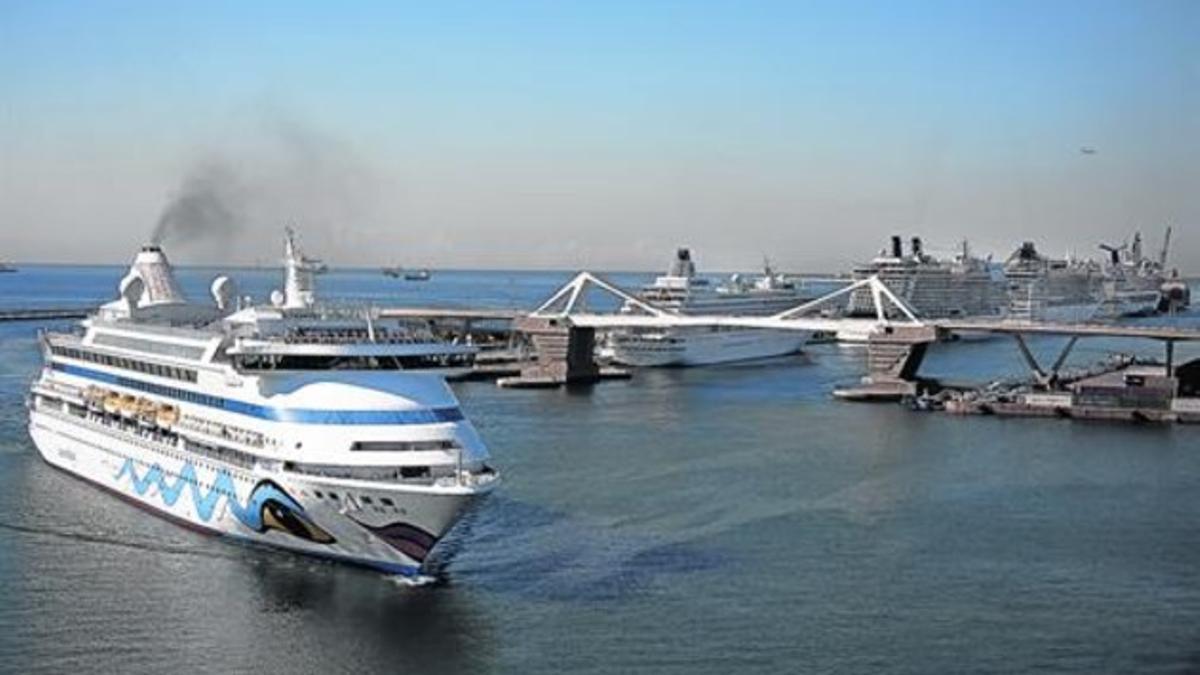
{"points": [[364, 499]]}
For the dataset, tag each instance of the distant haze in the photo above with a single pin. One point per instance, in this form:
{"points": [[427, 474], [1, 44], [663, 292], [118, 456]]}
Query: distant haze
{"points": [[599, 135]]}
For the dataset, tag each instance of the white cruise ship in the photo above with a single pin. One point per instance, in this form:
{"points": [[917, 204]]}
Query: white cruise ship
{"points": [[682, 290], [308, 428], [964, 286], [1133, 281], [1050, 289]]}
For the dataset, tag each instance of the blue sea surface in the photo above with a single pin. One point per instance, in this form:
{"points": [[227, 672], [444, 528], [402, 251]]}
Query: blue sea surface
{"points": [[708, 520]]}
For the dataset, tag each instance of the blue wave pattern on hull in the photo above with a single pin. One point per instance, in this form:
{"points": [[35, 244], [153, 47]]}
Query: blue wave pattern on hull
{"points": [[295, 415], [206, 504]]}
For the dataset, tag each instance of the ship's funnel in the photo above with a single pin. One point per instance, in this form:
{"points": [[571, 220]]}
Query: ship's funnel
{"points": [[916, 247], [897, 247], [298, 283], [158, 279], [682, 266]]}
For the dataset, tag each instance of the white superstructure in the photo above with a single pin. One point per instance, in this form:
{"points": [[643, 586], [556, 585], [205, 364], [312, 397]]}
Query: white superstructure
{"points": [[1134, 281], [960, 287], [316, 429], [680, 290], [1052, 289]]}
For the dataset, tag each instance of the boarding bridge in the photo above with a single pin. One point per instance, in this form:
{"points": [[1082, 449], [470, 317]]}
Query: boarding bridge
{"points": [[565, 324]]}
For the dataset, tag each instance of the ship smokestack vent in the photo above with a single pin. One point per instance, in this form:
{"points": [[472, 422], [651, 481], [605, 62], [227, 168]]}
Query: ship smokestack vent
{"points": [[682, 266], [159, 286], [897, 247], [916, 247]]}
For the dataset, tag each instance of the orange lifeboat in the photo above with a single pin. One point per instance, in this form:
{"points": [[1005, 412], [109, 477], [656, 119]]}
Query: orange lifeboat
{"points": [[167, 416], [127, 405]]}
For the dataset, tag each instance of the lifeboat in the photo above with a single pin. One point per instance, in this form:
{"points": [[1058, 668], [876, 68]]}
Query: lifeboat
{"points": [[167, 416], [147, 410], [127, 405], [112, 402]]}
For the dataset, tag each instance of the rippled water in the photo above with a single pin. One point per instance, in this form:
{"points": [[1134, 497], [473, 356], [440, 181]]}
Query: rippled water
{"points": [[700, 520]]}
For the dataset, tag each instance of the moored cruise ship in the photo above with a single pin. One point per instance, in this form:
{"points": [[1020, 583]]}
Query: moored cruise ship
{"points": [[1052, 289], [682, 290], [296, 425], [1134, 282], [964, 286]]}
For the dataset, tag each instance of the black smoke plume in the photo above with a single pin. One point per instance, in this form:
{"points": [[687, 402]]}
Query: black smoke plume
{"points": [[209, 204]]}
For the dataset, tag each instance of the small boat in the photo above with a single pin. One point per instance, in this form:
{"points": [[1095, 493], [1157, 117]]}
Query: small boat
{"points": [[6, 267], [397, 272]]}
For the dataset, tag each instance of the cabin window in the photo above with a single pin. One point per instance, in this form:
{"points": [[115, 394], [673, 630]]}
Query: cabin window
{"points": [[414, 471]]}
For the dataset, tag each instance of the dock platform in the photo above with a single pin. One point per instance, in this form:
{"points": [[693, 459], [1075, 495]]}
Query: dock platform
{"points": [[44, 314]]}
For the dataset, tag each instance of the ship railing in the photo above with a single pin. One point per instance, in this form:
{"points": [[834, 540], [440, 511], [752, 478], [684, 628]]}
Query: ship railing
{"points": [[224, 432], [117, 428]]}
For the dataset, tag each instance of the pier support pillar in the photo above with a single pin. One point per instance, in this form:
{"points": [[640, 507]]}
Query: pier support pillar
{"points": [[562, 353], [893, 357]]}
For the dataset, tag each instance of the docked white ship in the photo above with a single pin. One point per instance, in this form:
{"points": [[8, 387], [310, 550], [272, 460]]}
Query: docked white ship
{"points": [[1134, 282], [682, 291], [1052, 289], [295, 425], [961, 287]]}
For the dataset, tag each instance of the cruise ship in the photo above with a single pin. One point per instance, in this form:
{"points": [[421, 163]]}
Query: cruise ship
{"points": [[1134, 282], [682, 290], [964, 286], [1052, 289], [308, 427]]}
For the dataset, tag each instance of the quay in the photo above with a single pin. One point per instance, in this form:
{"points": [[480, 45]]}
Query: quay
{"points": [[1128, 391], [44, 314]]}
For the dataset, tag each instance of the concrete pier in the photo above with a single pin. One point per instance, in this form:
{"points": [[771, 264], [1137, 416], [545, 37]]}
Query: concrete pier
{"points": [[44, 314], [562, 354], [894, 356]]}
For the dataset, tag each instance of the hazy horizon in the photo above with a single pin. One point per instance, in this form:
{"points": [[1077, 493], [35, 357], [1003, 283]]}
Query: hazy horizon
{"points": [[570, 136]]}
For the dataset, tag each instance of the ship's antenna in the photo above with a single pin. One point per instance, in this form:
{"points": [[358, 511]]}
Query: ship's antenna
{"points": [[1162, 256]]}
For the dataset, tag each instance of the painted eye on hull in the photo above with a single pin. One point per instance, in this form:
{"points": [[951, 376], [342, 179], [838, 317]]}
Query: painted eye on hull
{"points": [[279, 516]]}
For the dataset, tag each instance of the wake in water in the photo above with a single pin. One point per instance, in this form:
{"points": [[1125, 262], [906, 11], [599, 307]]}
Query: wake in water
{"points": [[107, 540], [415, 581]]}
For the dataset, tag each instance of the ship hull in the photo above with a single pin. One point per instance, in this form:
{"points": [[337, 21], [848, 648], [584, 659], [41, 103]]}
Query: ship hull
{"points": [[267, 508], [1076, 312], [1131, 303], [701, 348]]}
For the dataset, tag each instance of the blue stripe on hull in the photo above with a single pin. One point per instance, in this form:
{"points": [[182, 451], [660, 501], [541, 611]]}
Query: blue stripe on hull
{"points": [[293, 415]]}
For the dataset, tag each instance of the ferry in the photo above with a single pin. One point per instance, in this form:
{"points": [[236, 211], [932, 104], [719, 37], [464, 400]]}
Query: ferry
{"points": [[296, 425], [421, 274], [681, 290]]}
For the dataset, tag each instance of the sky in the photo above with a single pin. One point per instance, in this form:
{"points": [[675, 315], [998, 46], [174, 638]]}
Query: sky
{"points": [[601, 135]]}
